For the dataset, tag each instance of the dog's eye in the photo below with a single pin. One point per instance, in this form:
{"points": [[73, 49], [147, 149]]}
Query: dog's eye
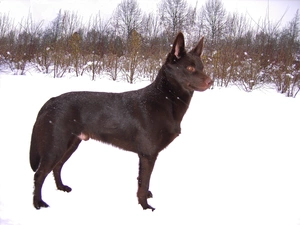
{"points": [[191, 69]]}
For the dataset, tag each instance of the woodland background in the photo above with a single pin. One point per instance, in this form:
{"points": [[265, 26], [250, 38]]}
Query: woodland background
{"points": [[132, 44]]}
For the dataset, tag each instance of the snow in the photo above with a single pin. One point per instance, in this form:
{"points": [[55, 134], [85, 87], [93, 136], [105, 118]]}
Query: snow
{"points": [[236, 162]]}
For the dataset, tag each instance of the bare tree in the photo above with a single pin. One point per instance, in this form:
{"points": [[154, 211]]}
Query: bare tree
{"points": [[214, 20], [128, 16], [176, 15], [7, 38], [27, 43], [65, 45], [285, 69], [127, 21], [113, 64], [44, 54], [133, 55], [154, 45], [150, 26], [96, 44], [74, 44], [236, 26]]}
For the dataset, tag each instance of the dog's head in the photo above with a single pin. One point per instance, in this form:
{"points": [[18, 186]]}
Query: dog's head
{"points": [[186, 68]]}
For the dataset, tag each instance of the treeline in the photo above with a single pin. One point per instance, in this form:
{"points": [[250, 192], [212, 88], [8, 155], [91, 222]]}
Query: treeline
{"points": [[132, 44]]}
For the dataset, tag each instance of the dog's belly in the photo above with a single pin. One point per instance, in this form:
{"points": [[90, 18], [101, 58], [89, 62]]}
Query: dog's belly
{"points": [[135, 141]]}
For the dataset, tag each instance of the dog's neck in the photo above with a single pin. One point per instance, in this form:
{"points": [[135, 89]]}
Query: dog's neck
{"points": [[171, 88], [177, 95]]}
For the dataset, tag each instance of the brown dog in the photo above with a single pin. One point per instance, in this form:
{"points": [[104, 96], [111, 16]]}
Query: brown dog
{"points": [[144, 121]]}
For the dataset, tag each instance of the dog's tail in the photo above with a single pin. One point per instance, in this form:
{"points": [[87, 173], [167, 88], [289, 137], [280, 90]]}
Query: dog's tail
{"points": [[34, 153]]}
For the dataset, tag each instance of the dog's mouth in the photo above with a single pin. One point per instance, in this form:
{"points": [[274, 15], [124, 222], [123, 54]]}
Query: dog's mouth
{"points": [[203, 86]]}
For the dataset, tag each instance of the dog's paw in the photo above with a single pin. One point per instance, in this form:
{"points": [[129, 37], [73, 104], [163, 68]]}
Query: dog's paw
{"points": [[145, 204], [39, 204], [65, 188], [148, 207]]}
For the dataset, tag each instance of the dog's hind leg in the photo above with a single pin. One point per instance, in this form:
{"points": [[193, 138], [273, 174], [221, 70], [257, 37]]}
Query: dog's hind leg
{"points": [[72, 146], [39, 178], [145, 171], [53, 151], [46, 166]]}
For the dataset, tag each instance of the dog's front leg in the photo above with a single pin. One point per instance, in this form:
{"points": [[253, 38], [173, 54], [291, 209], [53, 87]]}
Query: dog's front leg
{"points": [[146, 167]]}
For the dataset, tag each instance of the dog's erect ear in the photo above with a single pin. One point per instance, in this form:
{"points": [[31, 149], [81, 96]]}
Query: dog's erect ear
{"points": [[198, 49], [178, 46]]}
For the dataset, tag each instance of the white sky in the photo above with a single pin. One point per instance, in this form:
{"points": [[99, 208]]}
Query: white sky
{"points": [[47, 9]]}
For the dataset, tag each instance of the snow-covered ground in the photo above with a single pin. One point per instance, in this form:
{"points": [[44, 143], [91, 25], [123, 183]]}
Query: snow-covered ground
{"points": [[236, 162]]}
